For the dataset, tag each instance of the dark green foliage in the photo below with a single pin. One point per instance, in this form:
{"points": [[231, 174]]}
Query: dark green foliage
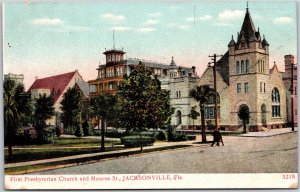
{"points": [[103, 107], [26, 136], [46, 135], [87, 129], [43, 110], [17, 110], [201, 95], [142, 102], [59, 131], [191, 137], [161, 136], [70, 106], [135, 141], [78, 131]]}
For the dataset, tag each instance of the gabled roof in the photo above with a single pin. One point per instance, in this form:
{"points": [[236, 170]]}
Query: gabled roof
{"points": [[84, 87], [56, 84]]}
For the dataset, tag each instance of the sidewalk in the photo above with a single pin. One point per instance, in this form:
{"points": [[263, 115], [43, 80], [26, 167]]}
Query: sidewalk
{"points": [[269, 133], [102, 155], [130, 151]]}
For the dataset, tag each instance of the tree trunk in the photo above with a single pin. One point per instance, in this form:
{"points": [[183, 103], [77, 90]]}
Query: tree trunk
{"points": [[141, 139], [9, 134], [102, 134], [203, 125]]}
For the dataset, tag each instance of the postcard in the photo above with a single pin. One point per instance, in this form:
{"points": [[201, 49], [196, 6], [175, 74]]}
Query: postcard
{"points": [[150, 95]]}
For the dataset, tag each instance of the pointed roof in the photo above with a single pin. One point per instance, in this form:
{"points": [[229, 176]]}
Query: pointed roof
{"points": [[172, 62], [248, 27], [56, 84], [232, 42]]}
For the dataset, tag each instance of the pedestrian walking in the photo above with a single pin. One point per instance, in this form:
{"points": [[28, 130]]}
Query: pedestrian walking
{"points": [[217, 138]]}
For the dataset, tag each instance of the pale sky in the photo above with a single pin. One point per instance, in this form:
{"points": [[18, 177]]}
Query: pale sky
{"points": [[45, 39]]}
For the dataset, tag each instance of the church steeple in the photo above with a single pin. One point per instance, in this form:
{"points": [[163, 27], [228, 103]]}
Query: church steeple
{"points": [[248, 29]]}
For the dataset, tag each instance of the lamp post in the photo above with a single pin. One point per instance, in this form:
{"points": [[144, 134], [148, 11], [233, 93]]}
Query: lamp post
{"points": [[292, 96]]}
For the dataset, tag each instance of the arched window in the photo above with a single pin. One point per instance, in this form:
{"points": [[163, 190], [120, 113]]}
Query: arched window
{"points": [[247, 66], [238, 69], [242, 67], [263, 66], [178, 117], [275, 103]]}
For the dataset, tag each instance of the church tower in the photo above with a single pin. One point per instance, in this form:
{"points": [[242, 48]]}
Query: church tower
{"points": [[248, 72]]}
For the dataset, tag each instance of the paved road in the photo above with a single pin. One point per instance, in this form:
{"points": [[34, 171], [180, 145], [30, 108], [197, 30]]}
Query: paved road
{"points": [[276, 154]]}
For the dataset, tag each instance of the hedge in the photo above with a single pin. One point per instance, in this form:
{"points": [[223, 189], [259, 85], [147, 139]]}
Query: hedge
{"points": [[135, 141]]}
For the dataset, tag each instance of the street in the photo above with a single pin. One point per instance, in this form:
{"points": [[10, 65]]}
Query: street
{"points": [[276, 154]]}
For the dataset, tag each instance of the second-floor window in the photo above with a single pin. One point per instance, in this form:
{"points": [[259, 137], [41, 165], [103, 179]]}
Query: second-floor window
{"points": [[246, 87], [119, 71], [178, 94], [239, 88]]}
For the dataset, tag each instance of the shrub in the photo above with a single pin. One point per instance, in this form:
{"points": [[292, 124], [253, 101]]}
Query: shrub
{"points": [[59, 131], [26, 135], [114, 134], [87, 129], [191, 137], [69, 130], [161, 136], [46, 135], [78, 131], [135, 141]]}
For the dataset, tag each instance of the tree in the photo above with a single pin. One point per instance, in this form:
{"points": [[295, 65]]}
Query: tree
{"points": [[43, 110], [201, 95], [17, 109], [194, 114], [244, 115], [103, 107], [71, 110], [142, 102]]}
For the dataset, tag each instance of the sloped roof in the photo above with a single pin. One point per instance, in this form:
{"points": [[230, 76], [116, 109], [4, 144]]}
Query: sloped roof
{"points": [[84, 87], [56, 84]]}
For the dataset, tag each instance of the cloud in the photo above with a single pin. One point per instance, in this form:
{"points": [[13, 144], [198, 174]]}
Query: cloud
{"points": [[282, 20], [231, 14], [151, 22], [47, 21], [200, 18], [184, 27], [110, 16], [70, 28], [147, 29], [121, 28], [177, 26], [154, 14]]}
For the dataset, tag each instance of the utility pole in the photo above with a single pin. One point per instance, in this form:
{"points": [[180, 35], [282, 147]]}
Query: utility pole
{"points": [[214, 59], [292, 96]]}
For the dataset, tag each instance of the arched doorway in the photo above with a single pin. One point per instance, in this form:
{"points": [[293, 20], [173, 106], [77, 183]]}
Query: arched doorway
{"points": [[264, 115], [178, 117], [243, 115]]}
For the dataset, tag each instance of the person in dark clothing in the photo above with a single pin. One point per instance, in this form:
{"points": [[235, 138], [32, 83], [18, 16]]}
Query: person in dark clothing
{"points": [[217, 138]]}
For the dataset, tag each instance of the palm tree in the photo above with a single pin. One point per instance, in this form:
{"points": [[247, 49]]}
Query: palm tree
{"points": [[103, 107], [16, 108], [194, 115], [244, 115], [201, 95]]}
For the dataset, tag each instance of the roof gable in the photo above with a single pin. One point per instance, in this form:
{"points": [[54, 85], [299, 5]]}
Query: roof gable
{"points": [[56, 84]]}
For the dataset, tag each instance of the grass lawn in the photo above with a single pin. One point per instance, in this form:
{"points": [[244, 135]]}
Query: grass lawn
{"points": [[58, 149]]}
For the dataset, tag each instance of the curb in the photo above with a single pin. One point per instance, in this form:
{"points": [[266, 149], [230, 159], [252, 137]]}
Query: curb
{"points": [[268, 135], [86, 158]]}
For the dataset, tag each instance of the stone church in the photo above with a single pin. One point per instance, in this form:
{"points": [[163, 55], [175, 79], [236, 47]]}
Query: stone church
{"points": [[245, 80]]}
